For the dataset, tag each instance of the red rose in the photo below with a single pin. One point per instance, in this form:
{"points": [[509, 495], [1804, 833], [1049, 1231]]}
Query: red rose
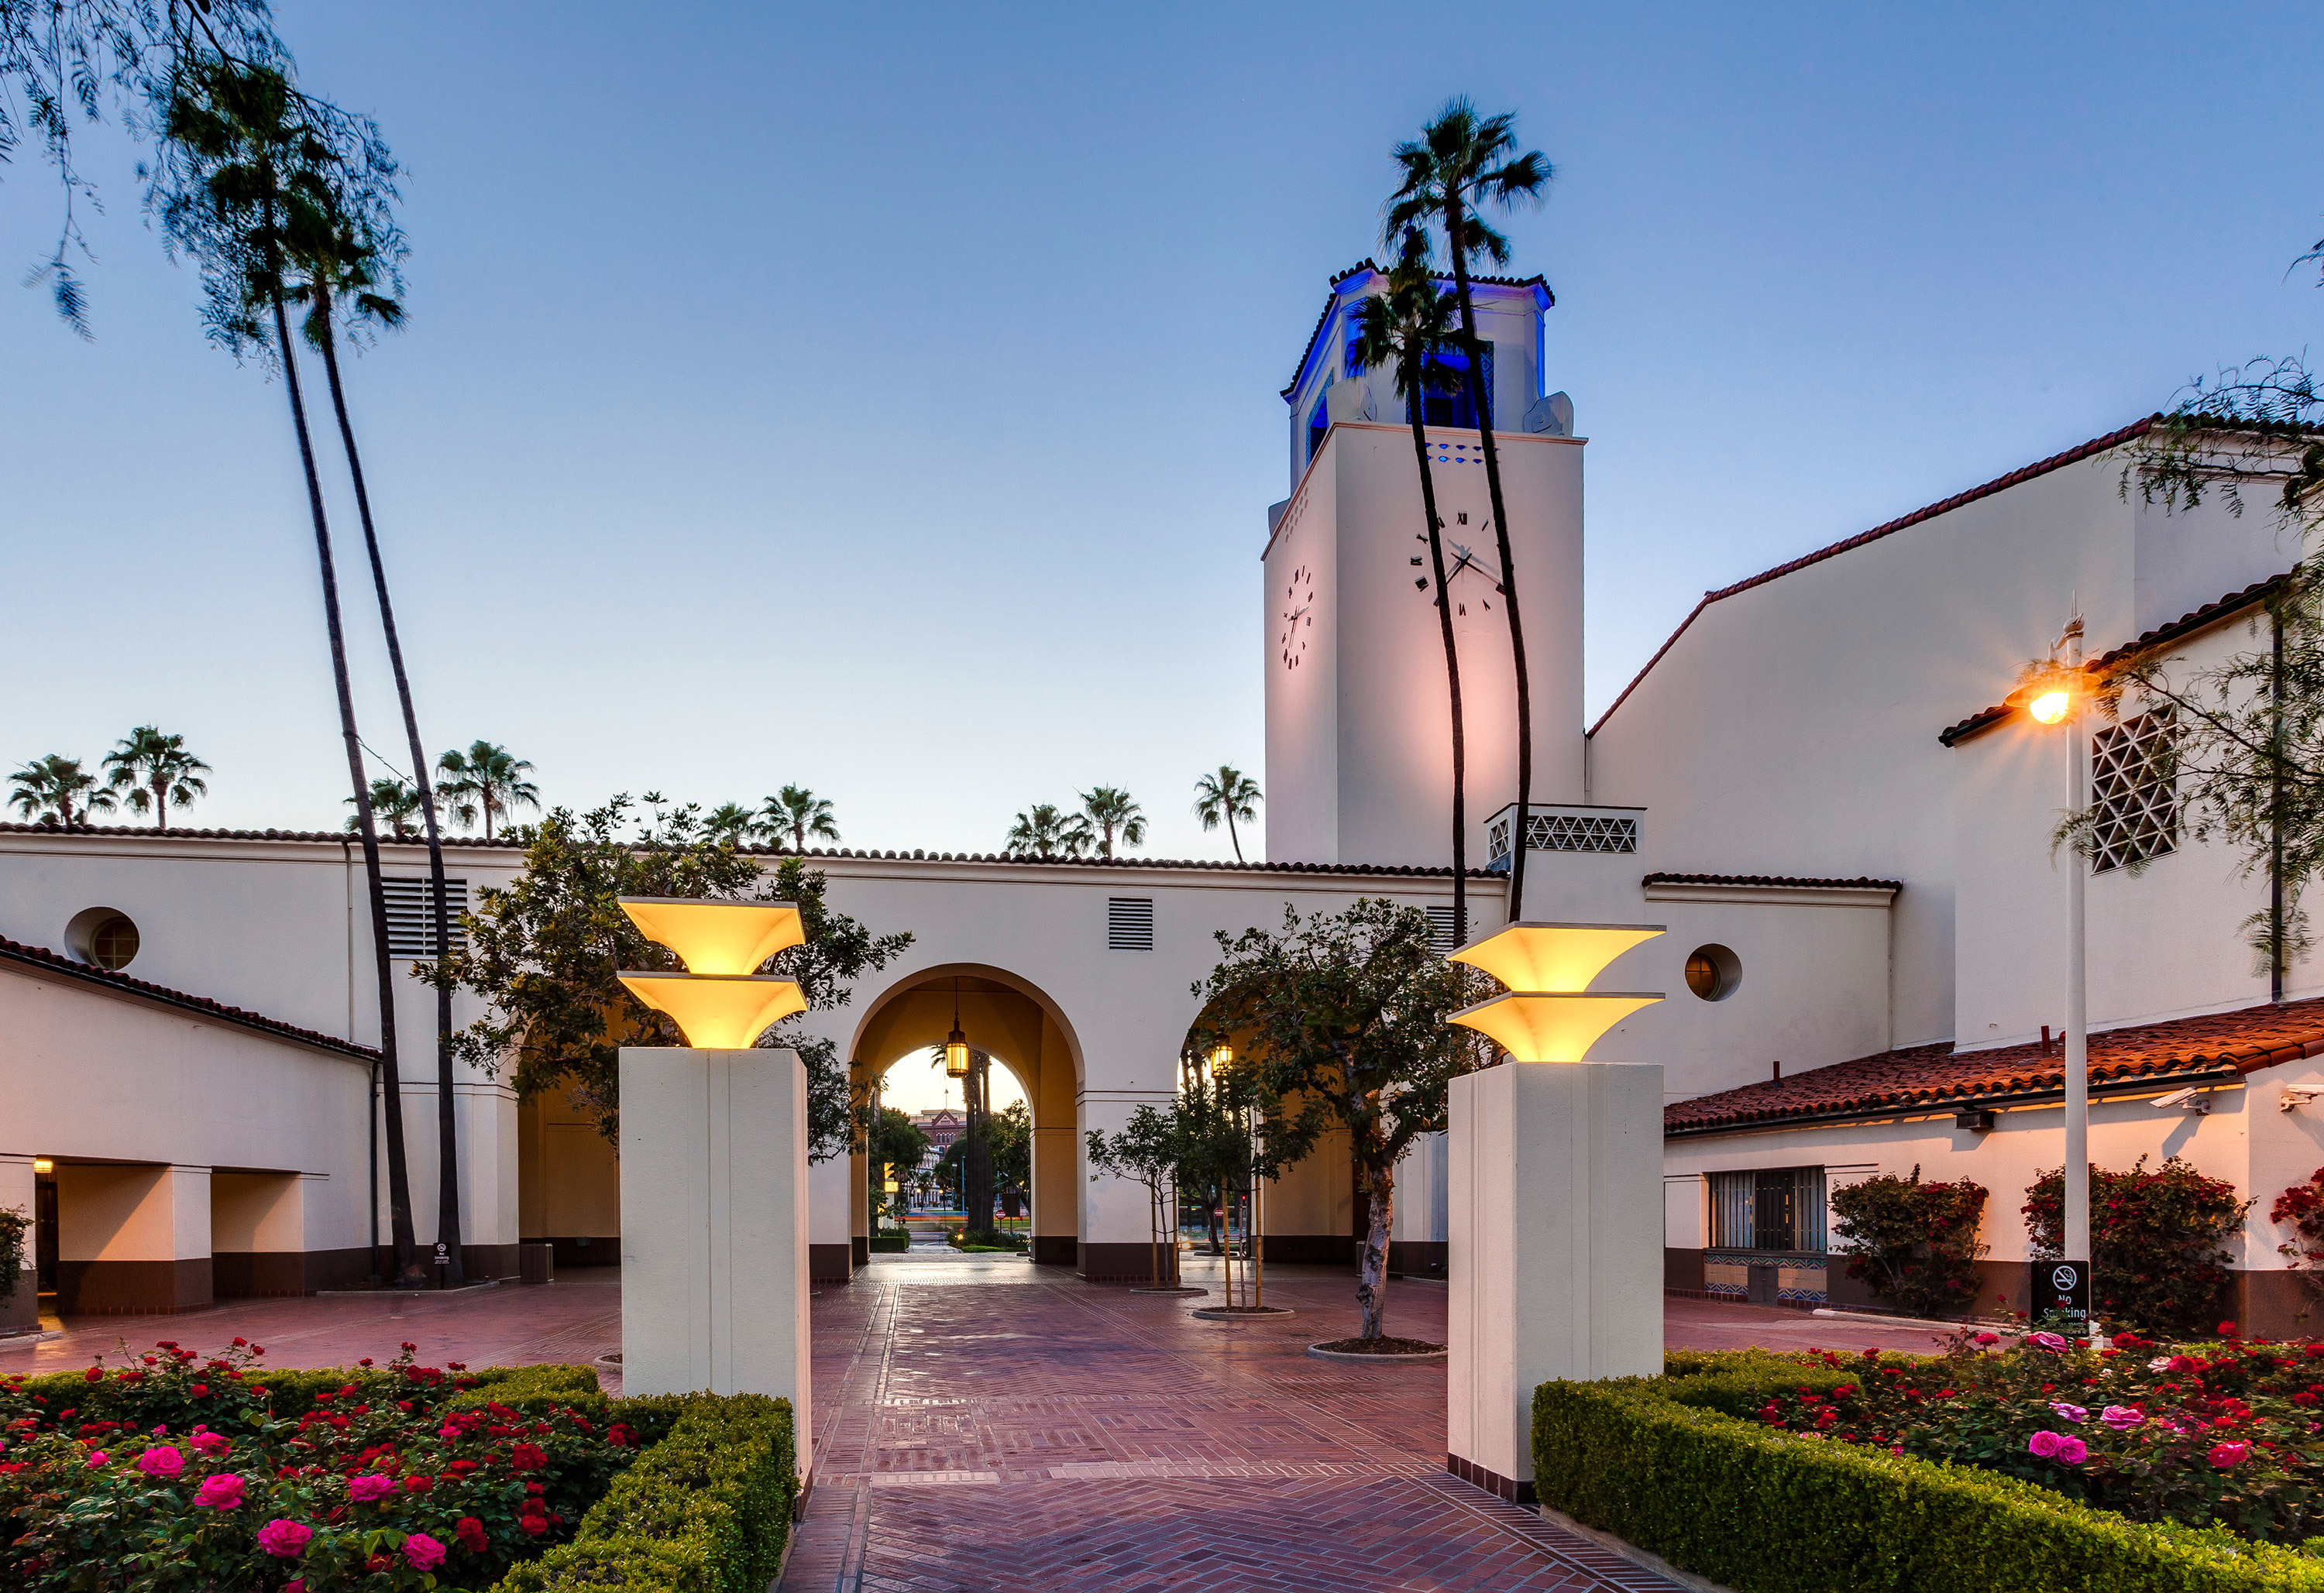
{"points": [[528, 1457], [533, 1525], [418, 1484], [471, 1533], [201, 1389], [95, 1374]]}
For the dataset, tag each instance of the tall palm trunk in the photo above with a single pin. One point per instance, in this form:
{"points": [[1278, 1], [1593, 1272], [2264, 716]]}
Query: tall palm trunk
{"points": [[1451, 668], [399, 1177], [1479, 387], [1232, 838], [448, 1139]]}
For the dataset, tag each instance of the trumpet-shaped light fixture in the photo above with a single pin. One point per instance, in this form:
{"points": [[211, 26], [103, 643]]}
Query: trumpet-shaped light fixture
{"points": [[717, 937], [721, 1002], [955, 1043], [1548, 1014], [718, 1011]]}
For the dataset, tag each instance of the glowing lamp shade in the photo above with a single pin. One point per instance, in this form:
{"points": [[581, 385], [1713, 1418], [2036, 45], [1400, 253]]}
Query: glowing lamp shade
{"points": [[2051, 705], [716, 937], [1221, 1057], [1552, 956], [955, 1055], [42, 1164], [1534, 1026], [718, 1012]]}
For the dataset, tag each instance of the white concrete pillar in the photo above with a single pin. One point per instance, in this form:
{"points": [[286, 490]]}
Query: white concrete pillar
{"points": [[830, 1219], [1556, 1230], [22, 1309], [715, 1224]]}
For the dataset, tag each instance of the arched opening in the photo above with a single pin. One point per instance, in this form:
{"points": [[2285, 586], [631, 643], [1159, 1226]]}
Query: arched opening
{"points": [[1032, 1046]]}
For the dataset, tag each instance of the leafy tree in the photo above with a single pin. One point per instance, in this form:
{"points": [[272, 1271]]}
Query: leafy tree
{"points": [[1144, 1152], [394, 800], [1226, 793], [249, 168], [2158, 1243], [799, 813], [544, 953], [1109, 812], [895, 1144], [56, 790], [1461, 164], [731, 822], [154, 771], [486, 779], [1342, 1019], [1214, 1140], [1008, 1142], [1408, 327], [1915, 1243], [1046, 830]]}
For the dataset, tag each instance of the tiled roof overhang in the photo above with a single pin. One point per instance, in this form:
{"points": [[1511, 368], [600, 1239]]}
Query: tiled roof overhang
{"points": [[2187, 624], [2096, 446], [2215, 1048], [121, 984], [1774, 881]]}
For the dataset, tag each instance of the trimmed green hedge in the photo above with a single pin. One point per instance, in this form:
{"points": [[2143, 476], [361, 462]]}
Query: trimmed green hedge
{"points": [[707, 1510], [1668, 1464]]}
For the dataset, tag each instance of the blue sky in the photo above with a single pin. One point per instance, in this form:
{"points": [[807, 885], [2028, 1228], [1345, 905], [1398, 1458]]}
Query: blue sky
{"points": [[885, 401]]}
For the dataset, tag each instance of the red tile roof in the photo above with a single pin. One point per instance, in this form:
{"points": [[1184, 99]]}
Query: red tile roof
{"points": [[1925, 1078], [2112, 440], [1859, 883], [49, 962], [2186, 625]]}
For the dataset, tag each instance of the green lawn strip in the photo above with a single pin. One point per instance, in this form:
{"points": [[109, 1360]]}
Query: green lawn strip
{"points": [[1673, 1465]]}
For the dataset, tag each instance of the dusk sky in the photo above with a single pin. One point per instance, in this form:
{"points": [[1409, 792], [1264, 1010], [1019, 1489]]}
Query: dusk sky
{"points": [[885, 401]]}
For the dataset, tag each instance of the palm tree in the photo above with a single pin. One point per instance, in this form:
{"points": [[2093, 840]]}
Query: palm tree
{"points": [[394, 800], [46, 790], [1044, 829], [156, 771], [800, 812], [1460, 163], [486, 779], [1407, 327], [262, 176], [731, 822], [1111, 810], [342, 262], [1229, 795]]}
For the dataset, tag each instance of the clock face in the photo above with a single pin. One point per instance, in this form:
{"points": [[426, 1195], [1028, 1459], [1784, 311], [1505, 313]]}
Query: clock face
{"points": [[1296, 617]]}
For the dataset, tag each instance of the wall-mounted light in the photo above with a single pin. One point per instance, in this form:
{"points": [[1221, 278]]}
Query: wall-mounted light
{"points": [[42, 1164]]}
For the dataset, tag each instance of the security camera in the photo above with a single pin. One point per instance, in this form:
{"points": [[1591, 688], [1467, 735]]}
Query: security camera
{"points": [[2191, 1100], [2293, 1096]]}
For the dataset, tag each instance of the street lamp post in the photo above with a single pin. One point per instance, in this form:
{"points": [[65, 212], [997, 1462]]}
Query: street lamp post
{"points": [[2059, 702]]}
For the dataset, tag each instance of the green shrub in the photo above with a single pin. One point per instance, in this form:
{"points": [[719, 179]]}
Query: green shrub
{"points": [[1913, 1243], [2158, 1243], [707, 1510], [1665, 1464]]}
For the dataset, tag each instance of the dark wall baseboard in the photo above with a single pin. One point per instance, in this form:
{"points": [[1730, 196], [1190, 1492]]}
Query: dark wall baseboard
{"points": [[1508, 1487], [1310, 1250], [1122, 1264], [598, 1250], [132, 1288], [830, 1263], [1417, 1257], [1054, 1250]]}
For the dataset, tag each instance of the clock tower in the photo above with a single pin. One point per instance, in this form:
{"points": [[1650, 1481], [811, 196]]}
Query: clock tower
{"points": [[1359, 719]]}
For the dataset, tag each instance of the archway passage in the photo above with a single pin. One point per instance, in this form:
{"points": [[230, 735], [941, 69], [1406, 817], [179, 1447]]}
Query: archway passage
{"points": [[1013, 1022]]}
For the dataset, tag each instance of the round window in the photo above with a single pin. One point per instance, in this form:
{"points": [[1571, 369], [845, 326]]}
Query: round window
{"points": [[1713, 972], [103, 935]]}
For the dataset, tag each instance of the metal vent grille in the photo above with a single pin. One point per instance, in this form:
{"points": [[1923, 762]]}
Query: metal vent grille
{"points": [[2133, 792], [1130, 923], [412, 916], [1444, 934], [1568, 832]]}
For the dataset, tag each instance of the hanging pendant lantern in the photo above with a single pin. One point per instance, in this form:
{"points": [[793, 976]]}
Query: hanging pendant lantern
{"points": [[955, 1043]]}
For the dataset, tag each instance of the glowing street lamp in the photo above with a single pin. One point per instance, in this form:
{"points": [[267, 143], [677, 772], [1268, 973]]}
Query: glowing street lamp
{"points": [[1548, 1013], [2056, 700], [720, 1003]]}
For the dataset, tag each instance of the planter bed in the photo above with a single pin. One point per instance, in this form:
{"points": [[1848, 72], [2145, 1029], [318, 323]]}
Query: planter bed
{"points": [[1989, 1469], [184, 1472]]}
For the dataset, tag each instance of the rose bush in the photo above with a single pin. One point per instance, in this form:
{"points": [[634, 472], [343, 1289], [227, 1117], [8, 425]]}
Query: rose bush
{"points": [[178, 1474], [2227, 1432], [2159, 1240]]}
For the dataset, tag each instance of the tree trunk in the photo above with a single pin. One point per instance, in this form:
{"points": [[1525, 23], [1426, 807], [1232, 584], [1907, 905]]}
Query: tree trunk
{"points": [[448, 1225], [1479, 387], [399, 1176], [1372, 1288], [1232, 837], [1413, 406], [161, 789]]}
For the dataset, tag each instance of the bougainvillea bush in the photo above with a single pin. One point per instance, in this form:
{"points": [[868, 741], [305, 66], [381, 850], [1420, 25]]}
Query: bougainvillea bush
{"points": [[2158, 1242], [2226, 1432], [184, 1472], [1915, 1243]]}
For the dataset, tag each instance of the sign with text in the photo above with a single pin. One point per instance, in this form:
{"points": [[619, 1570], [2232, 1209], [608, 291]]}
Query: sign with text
{"points": [[2062, 1288]]}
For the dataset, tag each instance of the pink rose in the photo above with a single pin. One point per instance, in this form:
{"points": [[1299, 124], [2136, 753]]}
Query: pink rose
{"points": [[2122, 1418], [363, 1489], [448, 1431], [221, 1490], [424, 1553], [2074, 1413], [96, 1458], [285, 1539], [2234, 1453], [2045, 1444], [2049, 1341], [2073, 1450], [212, 1444], [161, 1461]]}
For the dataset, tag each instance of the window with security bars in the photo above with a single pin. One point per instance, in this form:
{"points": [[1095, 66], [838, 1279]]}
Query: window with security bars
{"points": [[1130, 923], [1568, 832], [412, 916], [2133, 792], [1767, 1209]]}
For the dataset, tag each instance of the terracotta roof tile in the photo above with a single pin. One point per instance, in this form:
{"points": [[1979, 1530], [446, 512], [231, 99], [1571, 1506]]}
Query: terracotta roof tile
{"points": [[1859, 883], [109, 978], [2112, 440], [1939, 1077]]}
